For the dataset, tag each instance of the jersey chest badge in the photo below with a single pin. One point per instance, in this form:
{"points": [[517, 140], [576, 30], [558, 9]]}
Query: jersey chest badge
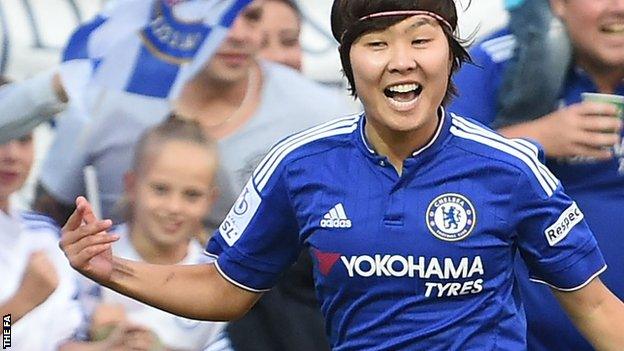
{"points": [[451, 217]]}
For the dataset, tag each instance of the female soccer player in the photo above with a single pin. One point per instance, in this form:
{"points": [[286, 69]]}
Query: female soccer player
{"points": [[413, 215]]}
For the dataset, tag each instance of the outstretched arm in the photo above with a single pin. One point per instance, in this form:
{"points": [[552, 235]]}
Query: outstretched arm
{"points": [[597, 313], [192, 291]]}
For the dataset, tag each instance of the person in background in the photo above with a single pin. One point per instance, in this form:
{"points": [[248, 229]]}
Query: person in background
{"points": [[243, 103], [281, 29], [288, 317], [540, 59], [413, 215], [581, 140], [165, 201], [38, 287]]}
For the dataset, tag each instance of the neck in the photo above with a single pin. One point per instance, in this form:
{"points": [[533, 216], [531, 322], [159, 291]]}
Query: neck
{"points": [[397, 146], [221, 108], [151, 252], [607, 78], [4, 205]]}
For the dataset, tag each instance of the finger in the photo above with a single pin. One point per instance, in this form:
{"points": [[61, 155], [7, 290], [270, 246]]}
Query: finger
{"points": [[83, 257], [598, 140], [598, 109], [91, 240], [87, 210], [69, 238], [140, 342], [580, 150], [74, 220], [601, 124]]}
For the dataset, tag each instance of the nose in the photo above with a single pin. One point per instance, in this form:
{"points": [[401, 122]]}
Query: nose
{"points": [[10, 151], [239, 32], [402, 59], [174, 204]]}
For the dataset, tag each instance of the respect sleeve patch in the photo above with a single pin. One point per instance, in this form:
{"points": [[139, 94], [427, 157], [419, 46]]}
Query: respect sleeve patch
{"points": [[562, 227]]}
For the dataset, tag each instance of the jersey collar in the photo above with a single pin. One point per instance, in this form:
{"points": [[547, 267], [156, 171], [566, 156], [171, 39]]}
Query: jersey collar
{"points": [[440, 135]]}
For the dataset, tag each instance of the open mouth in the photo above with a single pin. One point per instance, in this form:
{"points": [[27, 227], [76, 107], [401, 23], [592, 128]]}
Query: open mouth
{"points": [[403, 92], [404, 96], [613, 28]]}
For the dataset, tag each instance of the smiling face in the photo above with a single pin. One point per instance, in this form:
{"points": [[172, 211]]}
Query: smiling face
{"points": [[172, 193], [281, 28], [401, 73], [16, 159], [596, 29]]}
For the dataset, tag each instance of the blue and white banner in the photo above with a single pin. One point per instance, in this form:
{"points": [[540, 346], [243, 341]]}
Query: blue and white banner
{"points": [[147, 47]]}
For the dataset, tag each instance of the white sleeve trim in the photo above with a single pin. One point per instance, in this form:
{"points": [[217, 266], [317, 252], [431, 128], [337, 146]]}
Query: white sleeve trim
{"points": [[210, 254], [242, 286], [604, 268]]}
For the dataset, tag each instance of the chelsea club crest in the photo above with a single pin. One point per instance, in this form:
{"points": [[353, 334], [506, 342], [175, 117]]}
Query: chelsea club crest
{"points": [[451, 217]]}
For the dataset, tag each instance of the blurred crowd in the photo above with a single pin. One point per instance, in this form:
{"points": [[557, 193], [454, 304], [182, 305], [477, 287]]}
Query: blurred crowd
{"points": [[167, 173]]}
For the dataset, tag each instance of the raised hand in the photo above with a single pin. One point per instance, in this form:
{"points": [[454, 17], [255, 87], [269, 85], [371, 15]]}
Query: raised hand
{"points": [[86, 243], [38, 281]]}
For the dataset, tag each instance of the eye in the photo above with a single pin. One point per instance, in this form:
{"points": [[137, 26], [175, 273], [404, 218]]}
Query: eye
{"points": [[25, 139], [420, 41], [290, 42], [193, 195], [376, 44], [253, 15], [159, 189]]}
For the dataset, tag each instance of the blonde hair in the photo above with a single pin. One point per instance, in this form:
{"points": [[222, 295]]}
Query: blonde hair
{"points": [[173, 128]]}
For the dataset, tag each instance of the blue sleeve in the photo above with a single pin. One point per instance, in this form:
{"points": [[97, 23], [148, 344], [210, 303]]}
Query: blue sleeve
{"points": [[258, 238], [477, 86], [554, 240]]}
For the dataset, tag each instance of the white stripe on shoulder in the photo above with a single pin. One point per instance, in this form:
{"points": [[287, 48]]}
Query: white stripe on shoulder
{"points": [[497, 41], [499, 143], [280, 151], [522, 145], [321, 127], [535, 151], [500, 49]]}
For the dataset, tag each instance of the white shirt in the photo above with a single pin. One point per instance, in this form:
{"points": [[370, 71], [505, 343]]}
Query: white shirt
{"points": [[175, 332], [57, 318]]}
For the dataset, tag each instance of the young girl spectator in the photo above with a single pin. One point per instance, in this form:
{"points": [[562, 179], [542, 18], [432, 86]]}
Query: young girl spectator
{"points": [[168, 192]]}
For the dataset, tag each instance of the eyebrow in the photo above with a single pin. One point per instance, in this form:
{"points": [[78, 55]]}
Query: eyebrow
{"points": [[419, 23]]}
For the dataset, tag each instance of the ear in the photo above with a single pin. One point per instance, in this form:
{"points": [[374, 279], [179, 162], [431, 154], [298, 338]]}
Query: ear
{"points": [[130, 184], [558, 7], [212, 196]]}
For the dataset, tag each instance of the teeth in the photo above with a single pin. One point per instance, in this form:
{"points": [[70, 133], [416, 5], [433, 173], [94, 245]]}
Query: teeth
{"points": [[403, 88], [614, 28]]}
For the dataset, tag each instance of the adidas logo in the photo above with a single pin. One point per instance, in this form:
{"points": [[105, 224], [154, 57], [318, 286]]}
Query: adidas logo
{"points": [[336, 218]]}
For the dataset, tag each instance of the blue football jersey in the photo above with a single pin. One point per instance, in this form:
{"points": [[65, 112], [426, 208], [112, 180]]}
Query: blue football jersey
{"points": [[418, 261]]}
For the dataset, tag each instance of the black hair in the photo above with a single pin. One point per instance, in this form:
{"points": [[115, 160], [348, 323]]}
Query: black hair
{"points": [[347, 28]]}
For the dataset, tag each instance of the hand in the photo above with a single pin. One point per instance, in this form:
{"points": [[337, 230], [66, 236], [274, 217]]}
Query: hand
{"points": [[129, 337], [38, 282], [86, 243], [586, 129], [141, 339]]}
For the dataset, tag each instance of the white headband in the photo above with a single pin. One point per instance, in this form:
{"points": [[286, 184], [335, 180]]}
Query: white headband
{"points": [[409, 13]]}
